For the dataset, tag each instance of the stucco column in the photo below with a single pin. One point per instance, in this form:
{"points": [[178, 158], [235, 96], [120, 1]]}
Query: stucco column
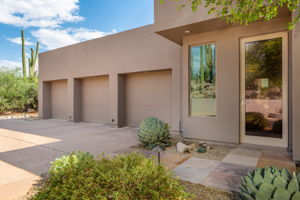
{"points": [[295, 75], [113, 99], [77, 100], [176, 99], [44, 99], [70, 99]]}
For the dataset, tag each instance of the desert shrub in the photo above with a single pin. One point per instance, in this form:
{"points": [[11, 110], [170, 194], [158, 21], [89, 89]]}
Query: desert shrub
{"points": [[17, 94], [270, 183], [152, 132], [80, 176], [277, 126], [255, 121]]}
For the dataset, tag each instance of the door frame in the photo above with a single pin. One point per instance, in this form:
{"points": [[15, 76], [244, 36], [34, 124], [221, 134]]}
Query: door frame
{"points": [[258, 140]]}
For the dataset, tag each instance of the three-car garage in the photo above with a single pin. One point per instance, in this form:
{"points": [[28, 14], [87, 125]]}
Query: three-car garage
{"points": [[143, 94]]}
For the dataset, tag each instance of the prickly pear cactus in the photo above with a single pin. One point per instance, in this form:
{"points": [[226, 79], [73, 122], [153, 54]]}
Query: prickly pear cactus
{"points": [[270, 184], [153, 132]]}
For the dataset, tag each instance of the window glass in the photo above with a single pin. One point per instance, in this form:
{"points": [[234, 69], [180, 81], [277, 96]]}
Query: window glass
{"points": [[203, 80]]}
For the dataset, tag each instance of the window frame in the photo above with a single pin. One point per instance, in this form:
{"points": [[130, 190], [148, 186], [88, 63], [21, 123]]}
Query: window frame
{"points": [[189, 80]]}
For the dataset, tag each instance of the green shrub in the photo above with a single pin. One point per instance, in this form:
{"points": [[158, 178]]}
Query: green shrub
{"points": [[80, 176], [17, 94], [255, 121], [270, 183], [152, 132]]}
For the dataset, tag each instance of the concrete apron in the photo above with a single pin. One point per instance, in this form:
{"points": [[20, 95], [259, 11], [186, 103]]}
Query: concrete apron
{"points": [[28, 147]]}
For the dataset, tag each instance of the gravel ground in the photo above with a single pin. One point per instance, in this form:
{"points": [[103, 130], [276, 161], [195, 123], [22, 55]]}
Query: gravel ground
{"points": [[201, 192], [216, 152], [11, 115]]}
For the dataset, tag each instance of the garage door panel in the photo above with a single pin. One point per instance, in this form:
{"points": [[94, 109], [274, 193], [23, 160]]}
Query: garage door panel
{"points": [[148, 94], [59, 99], [149, 100], [137, 114], [94, 100], [152, 80]]}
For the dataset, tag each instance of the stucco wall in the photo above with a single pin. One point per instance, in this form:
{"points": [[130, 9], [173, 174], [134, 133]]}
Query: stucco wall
{"points": [[130, 51], [295, 75], [225, 126], [167, 15]]}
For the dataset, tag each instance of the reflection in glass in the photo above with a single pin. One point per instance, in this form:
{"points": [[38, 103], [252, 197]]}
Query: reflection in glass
{"points": [[203, 80], [264, 88]]}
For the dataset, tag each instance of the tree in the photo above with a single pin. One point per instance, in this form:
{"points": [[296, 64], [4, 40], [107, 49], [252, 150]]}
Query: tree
{"points": [[244, 12]]}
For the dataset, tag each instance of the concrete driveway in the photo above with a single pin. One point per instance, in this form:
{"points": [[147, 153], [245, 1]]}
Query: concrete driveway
{"points": [[28, 146]]}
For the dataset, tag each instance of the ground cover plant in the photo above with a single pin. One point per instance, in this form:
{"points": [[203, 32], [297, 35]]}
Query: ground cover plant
{"points": [[17, 94], [126, 177]]}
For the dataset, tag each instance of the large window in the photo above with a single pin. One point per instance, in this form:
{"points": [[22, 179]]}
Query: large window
{"points": [[203, 80]]}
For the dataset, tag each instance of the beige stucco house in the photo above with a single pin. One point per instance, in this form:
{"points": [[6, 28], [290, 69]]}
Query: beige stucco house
{"points": [[207, 79]]}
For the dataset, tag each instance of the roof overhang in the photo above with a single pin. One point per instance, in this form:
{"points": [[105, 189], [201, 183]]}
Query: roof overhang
{"points": [[178, 33]]}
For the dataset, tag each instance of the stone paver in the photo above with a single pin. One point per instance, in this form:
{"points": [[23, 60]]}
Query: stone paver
{"points": [[280, 159], [227, 174], [241, 160], [247, 152], [195, 170]]}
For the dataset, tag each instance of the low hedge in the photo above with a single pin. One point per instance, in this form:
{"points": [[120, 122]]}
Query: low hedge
{"points": [[80, 176]]}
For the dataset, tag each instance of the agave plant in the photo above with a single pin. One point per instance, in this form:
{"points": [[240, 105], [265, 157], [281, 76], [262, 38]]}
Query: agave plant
{"points": [[270, 183], [153, 132]]}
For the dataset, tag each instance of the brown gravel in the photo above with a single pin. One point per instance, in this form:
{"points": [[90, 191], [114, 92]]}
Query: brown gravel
{"points": [[216, 152], [201, 192], [33, 114]]}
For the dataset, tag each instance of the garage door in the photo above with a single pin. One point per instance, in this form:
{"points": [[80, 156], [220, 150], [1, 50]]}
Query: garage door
{"points": [[148, 94], [94, 100], [59, 109]]}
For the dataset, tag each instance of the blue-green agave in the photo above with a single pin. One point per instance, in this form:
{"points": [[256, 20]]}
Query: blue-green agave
{"points": [[270, 183], [153, 132]]}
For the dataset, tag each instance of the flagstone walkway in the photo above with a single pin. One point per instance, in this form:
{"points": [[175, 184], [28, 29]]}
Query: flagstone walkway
{"points": [[227, 173]]}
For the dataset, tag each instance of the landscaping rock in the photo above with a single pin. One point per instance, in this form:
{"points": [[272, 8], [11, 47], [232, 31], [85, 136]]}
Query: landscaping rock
{"points": [[8, 113], [181, 148], [29, 110], [203, 144], [187, 141], [192, 147]]}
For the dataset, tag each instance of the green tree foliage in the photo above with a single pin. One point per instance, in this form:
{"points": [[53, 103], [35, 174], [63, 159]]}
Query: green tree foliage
{"points": [[265, 57], [124, 177], [17, 94], [245, 11]]}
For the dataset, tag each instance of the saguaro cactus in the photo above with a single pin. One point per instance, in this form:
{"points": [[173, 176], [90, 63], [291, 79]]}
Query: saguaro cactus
{"points": [[23, 54], [31, 60]]}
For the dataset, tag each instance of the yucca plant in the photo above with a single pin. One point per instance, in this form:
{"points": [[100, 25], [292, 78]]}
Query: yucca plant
{"points": [[270, 183], [153, 132]]}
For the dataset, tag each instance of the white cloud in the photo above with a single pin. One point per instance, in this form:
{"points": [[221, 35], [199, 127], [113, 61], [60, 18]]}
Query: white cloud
{"points": [[18, 40], [55, 38], [10, 64], [38, 13]]}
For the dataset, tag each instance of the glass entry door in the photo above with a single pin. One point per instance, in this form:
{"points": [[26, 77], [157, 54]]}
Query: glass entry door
{"points": [[264, 89]]}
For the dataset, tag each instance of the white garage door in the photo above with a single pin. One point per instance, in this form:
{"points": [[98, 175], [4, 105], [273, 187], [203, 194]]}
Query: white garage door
{"points": [[148, 94], [94, 102], [59, 109]]}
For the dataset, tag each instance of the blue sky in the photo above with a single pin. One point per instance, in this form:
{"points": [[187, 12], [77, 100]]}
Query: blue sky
{"points": [[57, 23]]}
